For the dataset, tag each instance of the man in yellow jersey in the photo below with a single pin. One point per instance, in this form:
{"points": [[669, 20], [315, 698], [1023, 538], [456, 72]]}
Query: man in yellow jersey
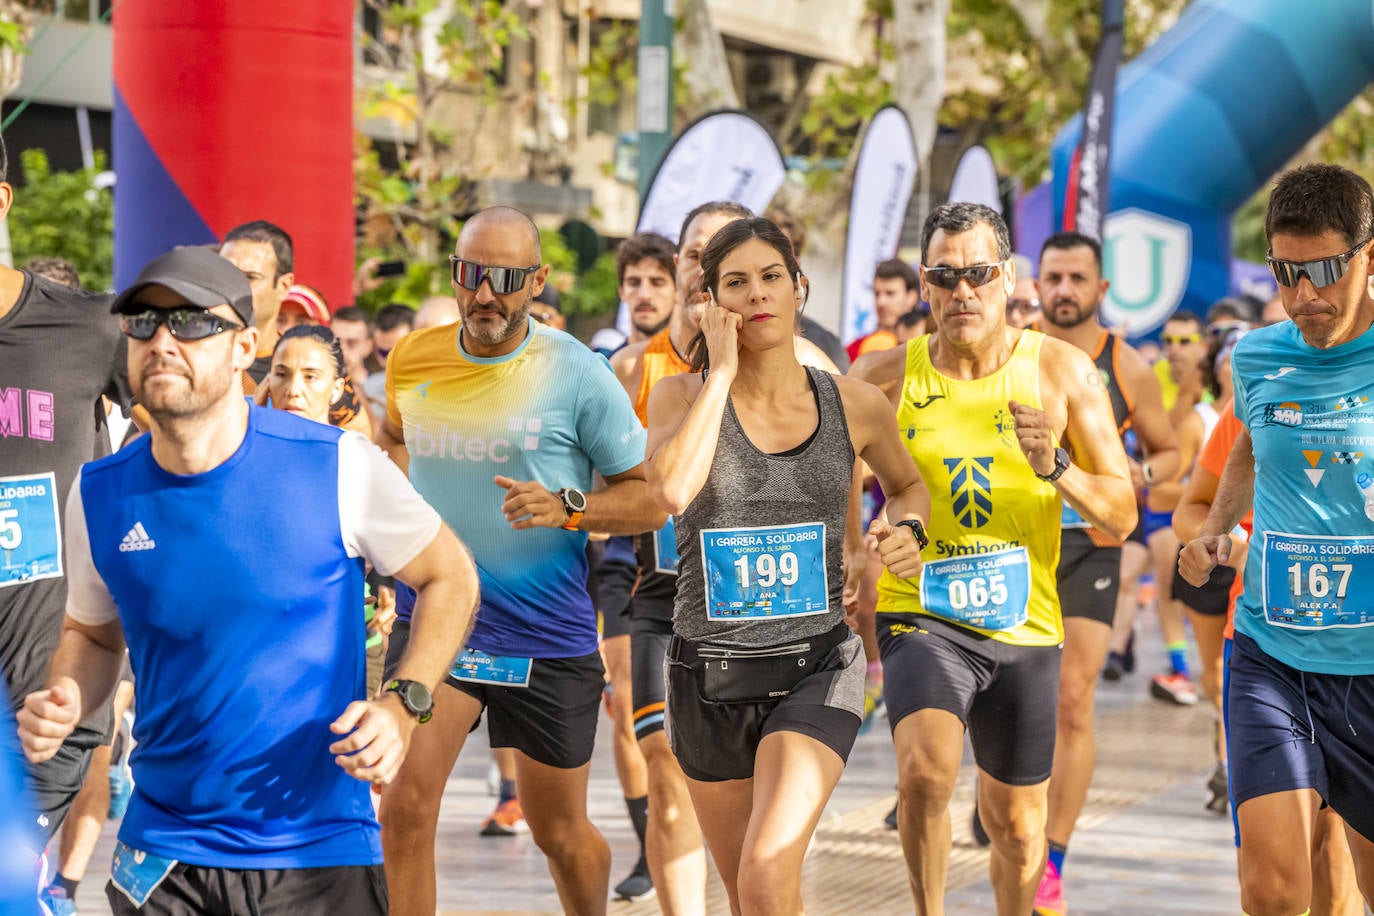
{"points": [[677, 859], [989, 414], [1091, 568]]}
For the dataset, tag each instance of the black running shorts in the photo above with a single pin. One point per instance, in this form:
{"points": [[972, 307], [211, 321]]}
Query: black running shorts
{"points": [[1005, 695], [1089, 577]]}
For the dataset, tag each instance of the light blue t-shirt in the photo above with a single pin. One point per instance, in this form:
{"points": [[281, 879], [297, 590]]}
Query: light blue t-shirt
{"points": [[553, 412], [1309, 577]]}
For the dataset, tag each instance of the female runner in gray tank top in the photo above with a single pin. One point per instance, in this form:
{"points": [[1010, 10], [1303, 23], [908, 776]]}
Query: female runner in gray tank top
{"points": [[756, 458]]}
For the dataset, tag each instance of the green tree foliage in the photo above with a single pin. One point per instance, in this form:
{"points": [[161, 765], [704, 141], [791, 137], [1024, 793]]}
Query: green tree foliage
{"points": [[64, 214]]}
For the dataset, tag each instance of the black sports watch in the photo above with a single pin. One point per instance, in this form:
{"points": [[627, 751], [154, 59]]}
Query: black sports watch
{"points": [[1061, 464], [574, 504], [415, 697], [917, 530]]}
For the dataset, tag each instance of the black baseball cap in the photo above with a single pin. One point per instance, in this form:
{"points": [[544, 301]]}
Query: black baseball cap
{"points": [[200, 276]]}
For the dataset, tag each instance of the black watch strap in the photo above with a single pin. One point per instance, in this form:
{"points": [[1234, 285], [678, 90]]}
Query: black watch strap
{"points": [[1061, 464], [917, 529], [415, 697]]}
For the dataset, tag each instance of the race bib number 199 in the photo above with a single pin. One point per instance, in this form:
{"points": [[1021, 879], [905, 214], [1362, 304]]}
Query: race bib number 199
{"points": [[30, 529], [765, 572], [1315, 581]]}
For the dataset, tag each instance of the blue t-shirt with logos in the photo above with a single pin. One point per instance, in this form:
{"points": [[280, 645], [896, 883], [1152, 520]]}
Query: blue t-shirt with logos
{"points": [[1309, 576]]}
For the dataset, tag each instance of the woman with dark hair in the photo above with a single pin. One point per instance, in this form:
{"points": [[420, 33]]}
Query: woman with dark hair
{"points": [[756, 457], [307, 375]]}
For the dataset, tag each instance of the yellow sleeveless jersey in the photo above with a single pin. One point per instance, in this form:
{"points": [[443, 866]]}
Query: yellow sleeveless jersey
{"points": [[994, 525]]}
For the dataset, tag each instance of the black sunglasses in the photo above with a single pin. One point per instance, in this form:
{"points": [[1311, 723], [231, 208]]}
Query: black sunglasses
{"points": [[1322, 271], [185, 323], [949, 277], [1023, 305], [503, 280]]}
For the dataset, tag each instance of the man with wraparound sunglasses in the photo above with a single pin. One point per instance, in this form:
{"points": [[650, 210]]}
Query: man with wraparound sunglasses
{"points": [[501, 422], [256, 737], [974, 646], [1301, 670]]}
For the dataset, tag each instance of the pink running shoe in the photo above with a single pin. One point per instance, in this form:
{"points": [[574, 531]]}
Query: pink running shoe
{"points": [[1049, 899]]}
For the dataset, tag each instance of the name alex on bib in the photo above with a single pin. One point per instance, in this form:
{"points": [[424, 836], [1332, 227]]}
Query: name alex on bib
{"points": [[1318, 581]]}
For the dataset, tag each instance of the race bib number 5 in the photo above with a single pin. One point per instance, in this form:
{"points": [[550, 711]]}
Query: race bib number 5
{"points": [[765, 572], [30, 529], [1315, 581], [990, 591]]}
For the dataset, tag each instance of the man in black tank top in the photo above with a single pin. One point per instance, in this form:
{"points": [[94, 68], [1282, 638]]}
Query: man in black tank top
{"points": [[1091, 565]]}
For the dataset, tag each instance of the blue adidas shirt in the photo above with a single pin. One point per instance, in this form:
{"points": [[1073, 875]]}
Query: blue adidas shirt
{"points": [[553, 412], [1309, 576], [237, 590]]}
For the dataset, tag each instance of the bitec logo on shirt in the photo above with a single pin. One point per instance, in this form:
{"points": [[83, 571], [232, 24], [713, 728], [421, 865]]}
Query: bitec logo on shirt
{"points": [[522, 433]]}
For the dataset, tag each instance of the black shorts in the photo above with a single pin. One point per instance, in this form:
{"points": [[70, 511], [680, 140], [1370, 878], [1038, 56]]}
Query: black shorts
{"points": [[1211, 600], [194, 890], [649, 640], [55, 783], [1005, 695], [1089, 577], [553, 720], [1273, 748], [715, 742], [615, 583]]}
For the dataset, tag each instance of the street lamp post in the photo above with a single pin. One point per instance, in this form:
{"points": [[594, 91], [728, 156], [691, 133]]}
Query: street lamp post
{"points": [[655, 87]]}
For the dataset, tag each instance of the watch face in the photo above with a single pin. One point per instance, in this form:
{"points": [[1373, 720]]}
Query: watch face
{"points": [[416, 696], [575, 500]]}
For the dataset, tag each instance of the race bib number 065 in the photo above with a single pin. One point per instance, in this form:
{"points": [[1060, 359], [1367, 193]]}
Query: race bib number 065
{"points": [[765, 572], [30, 529], [990, 591], [1317, 581]]}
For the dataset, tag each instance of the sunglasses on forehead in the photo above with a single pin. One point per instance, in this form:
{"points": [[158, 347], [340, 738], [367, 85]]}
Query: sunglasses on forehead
{"points": [[1322, 271], [186, 323], [503, 280], [949, 277]]}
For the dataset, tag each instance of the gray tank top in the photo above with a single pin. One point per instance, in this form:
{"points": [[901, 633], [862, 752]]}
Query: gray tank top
{"points": [[761, 544]]}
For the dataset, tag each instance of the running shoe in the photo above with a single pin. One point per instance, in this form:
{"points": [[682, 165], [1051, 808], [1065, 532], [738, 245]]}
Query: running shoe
{"points": [[1049, 898], [639, 886], [891, 819], [980, 836], [507, 820], [1115, 668], [55, 902], [1218, 794], [1173, 688]]}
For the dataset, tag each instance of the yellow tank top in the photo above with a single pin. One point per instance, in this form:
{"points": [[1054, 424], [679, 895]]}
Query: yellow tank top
{"points": [[659, 361], [994, 525]]}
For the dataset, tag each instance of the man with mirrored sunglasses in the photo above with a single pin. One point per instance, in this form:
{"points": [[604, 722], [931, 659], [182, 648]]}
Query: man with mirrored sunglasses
{"points": [[1301, 671], [501, 422], [989, 413], [257, 741]]}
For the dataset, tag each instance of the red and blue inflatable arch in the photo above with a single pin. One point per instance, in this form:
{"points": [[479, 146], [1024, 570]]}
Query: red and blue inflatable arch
{"points": [[229, 112]]}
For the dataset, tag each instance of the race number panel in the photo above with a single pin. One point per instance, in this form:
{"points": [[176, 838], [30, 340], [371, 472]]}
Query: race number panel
{"points": [[990, 591], [665, 549], [501, 670], [752, 573], [1314, 582], [30, 529]]}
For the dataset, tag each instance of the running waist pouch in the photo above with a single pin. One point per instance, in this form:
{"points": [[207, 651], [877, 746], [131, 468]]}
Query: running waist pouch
{"points": [[734, 674]]}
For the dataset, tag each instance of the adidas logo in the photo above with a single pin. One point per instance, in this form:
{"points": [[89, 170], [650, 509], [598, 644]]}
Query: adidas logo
{"points": [[136, 539]]}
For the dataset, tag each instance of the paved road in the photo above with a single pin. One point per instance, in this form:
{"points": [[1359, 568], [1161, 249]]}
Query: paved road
{"points": [[1145, 845]]}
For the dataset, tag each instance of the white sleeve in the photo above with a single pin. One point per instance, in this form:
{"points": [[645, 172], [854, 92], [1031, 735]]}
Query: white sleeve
{"points": [[381, 516], [88, 600]]}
